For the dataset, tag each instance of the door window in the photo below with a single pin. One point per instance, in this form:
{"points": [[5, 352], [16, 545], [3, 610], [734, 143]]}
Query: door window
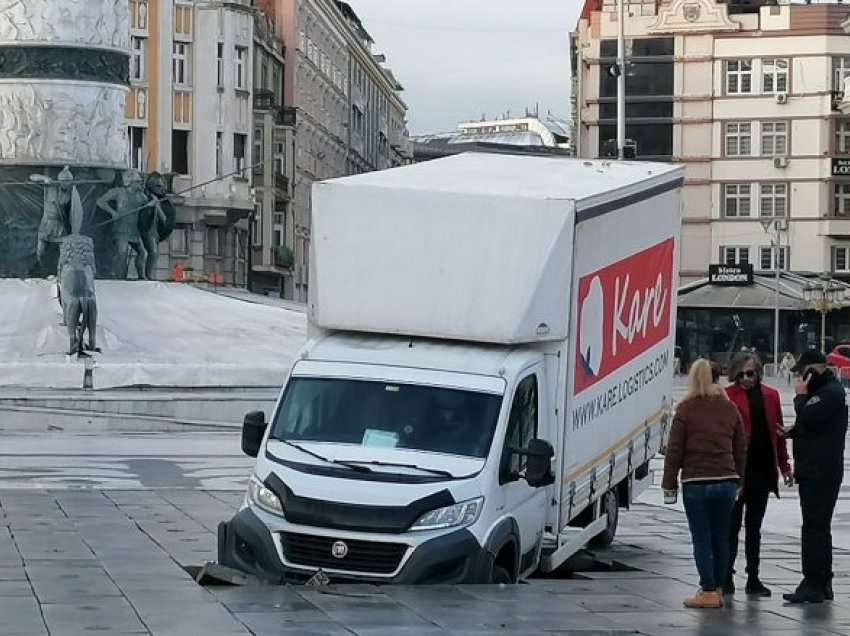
{"points": [[522, 428]]}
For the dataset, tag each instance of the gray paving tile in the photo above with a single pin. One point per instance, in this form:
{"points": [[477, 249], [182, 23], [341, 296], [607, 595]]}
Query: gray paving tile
{"points": [[93, 615], [269, 624]]}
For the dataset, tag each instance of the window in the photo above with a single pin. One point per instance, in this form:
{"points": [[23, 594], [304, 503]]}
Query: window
{"points": [[219, 167], [841, 259], [257, 157], [241, 75], [842, 136], [840, 71], [257, 225], [774, 73], [279, 229], [842, 199], [214, 241], [766, 258], [736, 199], [774, 138], [279, 159], [735, 255], [738, 137], [180, 240], [773, 200], [137, 148], [180, 151], [264, 75], [180, 64], [219, 60], [239, 142], [739, 77], [137, 61], [522, 428]]}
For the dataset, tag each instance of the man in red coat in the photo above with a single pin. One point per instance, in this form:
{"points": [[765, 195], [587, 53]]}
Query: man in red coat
{"points": [[767, 458]]}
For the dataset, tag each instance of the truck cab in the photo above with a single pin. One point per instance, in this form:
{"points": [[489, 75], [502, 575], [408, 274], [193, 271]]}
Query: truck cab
{"points": [[446, 448]]}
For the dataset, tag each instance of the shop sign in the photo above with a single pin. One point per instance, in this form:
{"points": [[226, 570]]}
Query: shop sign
{"points": [[841, 167], [730, 274]]}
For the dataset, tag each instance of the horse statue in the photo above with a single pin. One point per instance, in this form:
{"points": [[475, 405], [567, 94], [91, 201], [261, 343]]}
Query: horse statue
{"points": [[76, 283]]}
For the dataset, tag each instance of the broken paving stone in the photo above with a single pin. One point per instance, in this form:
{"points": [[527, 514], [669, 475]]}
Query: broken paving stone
{"points": [[214, 574]]}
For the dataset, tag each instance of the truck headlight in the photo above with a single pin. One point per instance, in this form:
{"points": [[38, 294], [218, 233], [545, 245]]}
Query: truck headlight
{"points": [[458, 515], [263, 498]]}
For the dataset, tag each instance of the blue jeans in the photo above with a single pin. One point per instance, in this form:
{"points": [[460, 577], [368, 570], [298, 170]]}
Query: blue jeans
{"points": [[708, 506]]}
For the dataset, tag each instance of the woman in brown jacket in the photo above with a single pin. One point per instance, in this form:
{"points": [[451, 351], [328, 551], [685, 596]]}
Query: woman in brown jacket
{"points": [[707, 444]]}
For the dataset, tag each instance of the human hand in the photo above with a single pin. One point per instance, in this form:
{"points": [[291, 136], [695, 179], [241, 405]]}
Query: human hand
{"points": [[670, 496], [789, 478]]}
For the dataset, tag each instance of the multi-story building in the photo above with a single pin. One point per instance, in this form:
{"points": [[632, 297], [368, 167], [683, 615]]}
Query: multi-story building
{"points": [[745, 95], [190, 116], [273, 164], [348, 112]]}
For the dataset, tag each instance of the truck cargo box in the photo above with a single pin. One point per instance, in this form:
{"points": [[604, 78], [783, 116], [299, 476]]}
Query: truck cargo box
{"points": [[486, 243]]}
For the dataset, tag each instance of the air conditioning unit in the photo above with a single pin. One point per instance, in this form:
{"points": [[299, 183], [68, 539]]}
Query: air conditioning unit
{"points": [[781, 98], [780, 162]]}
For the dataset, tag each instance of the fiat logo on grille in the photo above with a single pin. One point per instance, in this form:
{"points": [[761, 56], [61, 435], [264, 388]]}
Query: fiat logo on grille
{"points": [[339, 550]]}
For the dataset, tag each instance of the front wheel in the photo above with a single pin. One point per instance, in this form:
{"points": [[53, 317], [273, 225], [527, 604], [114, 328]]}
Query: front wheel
{"points": [[500, 575], [610, 509]]}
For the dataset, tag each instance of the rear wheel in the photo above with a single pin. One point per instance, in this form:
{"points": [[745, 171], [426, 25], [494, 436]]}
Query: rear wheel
{"points": [[610, 509]]}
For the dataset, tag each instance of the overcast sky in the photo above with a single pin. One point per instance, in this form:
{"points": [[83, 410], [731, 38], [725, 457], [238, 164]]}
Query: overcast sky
{"points": [[459, 59]]}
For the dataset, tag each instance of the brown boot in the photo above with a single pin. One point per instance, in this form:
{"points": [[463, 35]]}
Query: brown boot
{"points": [[705, 600]]}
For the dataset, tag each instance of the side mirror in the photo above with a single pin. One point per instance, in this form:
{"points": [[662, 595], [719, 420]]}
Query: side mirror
{"points": [[538, 470], [253, 430]]}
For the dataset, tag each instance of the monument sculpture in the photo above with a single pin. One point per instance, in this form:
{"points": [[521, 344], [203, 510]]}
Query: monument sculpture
{"points": [[156, 222], [64, 80], [125, 205], [76, 280], [55, 221]]}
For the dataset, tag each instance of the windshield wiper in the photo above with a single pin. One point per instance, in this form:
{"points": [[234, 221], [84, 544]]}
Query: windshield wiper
{"points": [[350, 465], [433, 471]]}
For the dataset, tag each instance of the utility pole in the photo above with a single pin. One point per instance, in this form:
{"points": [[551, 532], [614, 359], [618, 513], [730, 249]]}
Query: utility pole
{"points": [[621, 81], [776, 247]]}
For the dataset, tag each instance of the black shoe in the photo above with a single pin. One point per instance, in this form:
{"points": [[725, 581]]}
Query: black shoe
{"points": [[729, 588], [828, 594], [756, 588], [804, 596]]}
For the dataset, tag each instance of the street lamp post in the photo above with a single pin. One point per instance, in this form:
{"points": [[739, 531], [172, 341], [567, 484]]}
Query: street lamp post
{"points": [[621, 81], [776, 248], [823, 297]]}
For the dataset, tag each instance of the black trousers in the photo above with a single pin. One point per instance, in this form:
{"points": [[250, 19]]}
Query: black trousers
{"points": [[749, 511], [817, 501]]}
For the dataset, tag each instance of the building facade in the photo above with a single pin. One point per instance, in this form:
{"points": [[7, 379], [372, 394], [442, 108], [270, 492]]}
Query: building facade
{"points": [[348, 112], [273, 166], [190, 117], [746, 96]]}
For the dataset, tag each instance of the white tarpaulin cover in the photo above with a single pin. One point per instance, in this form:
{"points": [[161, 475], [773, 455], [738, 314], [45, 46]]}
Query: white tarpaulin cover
{"points": [[473, 247], [151, 334]]}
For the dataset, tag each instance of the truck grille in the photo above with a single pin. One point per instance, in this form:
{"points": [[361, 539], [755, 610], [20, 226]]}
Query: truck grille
{"points": [[363, 556]]}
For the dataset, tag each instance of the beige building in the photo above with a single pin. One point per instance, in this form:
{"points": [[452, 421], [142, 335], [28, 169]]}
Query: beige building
{"points": [[190, 116], [747, 98]]}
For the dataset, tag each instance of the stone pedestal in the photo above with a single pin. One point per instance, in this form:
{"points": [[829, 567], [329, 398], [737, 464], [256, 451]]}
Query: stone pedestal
{"points": [[64, 77]]}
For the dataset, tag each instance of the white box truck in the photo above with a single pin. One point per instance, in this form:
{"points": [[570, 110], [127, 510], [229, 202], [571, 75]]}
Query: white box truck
{"points": [[488, 373]]}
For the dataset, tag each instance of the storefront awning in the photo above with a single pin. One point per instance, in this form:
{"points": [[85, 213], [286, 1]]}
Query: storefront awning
{"points": [[759, 295]]}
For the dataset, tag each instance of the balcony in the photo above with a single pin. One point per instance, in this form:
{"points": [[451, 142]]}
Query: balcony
{"points": [[281, 182], [285, 116], [227, 199], [264, 99], [283, 257], [836, 226]]}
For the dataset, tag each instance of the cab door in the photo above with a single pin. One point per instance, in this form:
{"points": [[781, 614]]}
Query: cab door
{"points": [[526, 505]]}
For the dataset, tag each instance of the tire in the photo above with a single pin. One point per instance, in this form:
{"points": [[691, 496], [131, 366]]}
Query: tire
{"points": [[500, 575], [611, 510]]}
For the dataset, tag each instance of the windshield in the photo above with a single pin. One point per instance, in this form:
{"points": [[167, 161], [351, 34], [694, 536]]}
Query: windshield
{"points": [[381, 414]]}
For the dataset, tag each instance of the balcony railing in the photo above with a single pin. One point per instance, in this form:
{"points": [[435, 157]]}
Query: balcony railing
{"points": [[285, 116], [844, 103], [264, 99], [281, 182]]}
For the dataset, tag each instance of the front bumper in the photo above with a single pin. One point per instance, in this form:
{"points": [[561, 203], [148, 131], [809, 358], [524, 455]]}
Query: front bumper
{"points": [[245, 543]]}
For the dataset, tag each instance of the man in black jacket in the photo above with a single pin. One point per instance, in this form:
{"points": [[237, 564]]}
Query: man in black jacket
{"points": [[819, 434]]}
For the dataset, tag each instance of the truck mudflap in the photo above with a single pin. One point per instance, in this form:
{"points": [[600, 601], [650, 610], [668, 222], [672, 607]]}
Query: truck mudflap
{"points": [[245, 543]]}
